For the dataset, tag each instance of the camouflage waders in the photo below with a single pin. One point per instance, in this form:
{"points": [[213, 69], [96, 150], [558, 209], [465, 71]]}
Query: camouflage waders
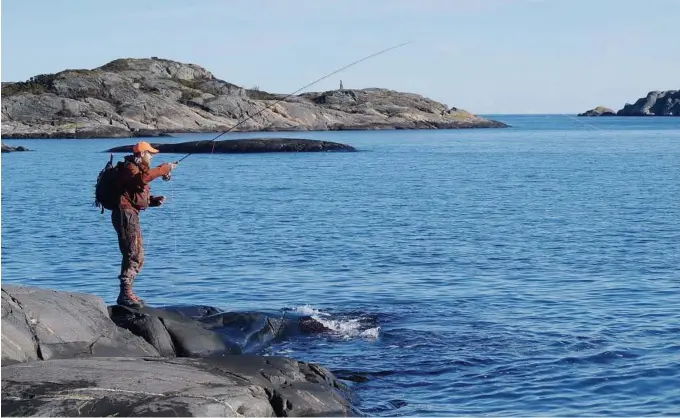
{"points": [[126, 223]]}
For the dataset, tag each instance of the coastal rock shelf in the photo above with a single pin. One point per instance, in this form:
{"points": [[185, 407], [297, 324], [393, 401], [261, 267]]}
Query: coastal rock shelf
{"points": [[137, 97], [67, 354], [252, 145]]}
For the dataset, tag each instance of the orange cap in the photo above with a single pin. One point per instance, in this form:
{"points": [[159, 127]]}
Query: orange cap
{"points": [[142, 146]]}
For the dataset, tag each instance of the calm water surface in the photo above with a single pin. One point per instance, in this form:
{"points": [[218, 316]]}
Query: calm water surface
{"points": [[525, 271]]}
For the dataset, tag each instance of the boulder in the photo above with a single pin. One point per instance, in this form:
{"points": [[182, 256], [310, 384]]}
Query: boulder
{"points": [[42, 324], [220, 387], [238, 146]]}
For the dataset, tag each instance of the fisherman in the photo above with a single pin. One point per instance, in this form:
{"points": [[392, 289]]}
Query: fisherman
{"points": [[134, 179]]}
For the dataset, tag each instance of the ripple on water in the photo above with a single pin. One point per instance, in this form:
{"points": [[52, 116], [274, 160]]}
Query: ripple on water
{"points": [[530, 271]]}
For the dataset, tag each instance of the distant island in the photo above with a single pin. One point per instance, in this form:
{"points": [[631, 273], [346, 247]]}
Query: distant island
{"points": [[242, 146], [131, 97], [656, 103], [599, 111]]}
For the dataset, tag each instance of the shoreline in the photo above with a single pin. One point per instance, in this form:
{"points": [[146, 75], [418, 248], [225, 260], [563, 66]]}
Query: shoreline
{"points": [[160, 133], [60, 343]]}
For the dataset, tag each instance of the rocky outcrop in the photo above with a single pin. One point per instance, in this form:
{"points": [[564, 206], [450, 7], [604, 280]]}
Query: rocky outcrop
{"points": [[67, 354], [205, 331], [599, 111], [39, 324], [656, 103], [9, 148], [127, 97], [252, 145]]}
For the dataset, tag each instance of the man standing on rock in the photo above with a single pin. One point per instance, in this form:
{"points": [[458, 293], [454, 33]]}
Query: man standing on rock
{"points": [[134, 178]]}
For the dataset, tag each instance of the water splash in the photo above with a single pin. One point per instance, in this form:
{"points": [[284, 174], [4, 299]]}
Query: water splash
{"points": [[345, 327]]}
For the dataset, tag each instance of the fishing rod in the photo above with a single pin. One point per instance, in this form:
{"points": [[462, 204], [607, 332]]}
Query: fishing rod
{"points": [[299, 90]]}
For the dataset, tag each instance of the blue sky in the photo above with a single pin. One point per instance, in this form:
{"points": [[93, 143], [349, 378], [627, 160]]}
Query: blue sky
{"points": [[485, 56]]}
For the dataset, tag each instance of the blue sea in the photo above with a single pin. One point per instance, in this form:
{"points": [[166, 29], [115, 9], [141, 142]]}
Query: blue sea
{"points": [[527, 271]]}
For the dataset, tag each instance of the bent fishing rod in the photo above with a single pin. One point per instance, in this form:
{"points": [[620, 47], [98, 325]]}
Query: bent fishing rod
{"points": [[299, 90]]}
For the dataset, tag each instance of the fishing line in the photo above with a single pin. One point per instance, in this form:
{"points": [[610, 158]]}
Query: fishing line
{"points": [[582, 122], [297, 91], [174, 220], [269, 107]]}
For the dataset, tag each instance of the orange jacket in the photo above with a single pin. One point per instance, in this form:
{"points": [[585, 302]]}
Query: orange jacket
{"points": [[135, 183]]}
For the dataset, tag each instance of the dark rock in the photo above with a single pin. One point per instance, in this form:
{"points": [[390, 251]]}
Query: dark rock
{"points": [[9, 148], [656, 103], [172, 334], [599, 111], [149, 327], [227, 386], [134, 96], [193, 311], [254, 331], [208, 332], [41, 324], [237, 146]]}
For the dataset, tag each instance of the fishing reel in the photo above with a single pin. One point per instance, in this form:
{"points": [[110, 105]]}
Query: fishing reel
{"points": [[168, 176]]}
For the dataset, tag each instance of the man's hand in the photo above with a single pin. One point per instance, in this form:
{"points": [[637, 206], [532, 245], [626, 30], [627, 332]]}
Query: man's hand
{"points": [[172, 166], [156, 201]]}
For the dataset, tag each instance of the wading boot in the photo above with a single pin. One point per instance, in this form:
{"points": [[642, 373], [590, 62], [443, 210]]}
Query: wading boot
{"points": [[126, 297], [137, 298]]}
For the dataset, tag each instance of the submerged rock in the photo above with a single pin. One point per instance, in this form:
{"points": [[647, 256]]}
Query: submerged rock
{"points": [[599, 111], [208, 332], [128, 97], [238, 146]]}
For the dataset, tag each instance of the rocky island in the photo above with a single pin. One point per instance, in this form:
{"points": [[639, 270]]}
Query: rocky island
{"points": [[251, 145], [68, 354], [138, 97], [656, 103], [599, 111]]}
